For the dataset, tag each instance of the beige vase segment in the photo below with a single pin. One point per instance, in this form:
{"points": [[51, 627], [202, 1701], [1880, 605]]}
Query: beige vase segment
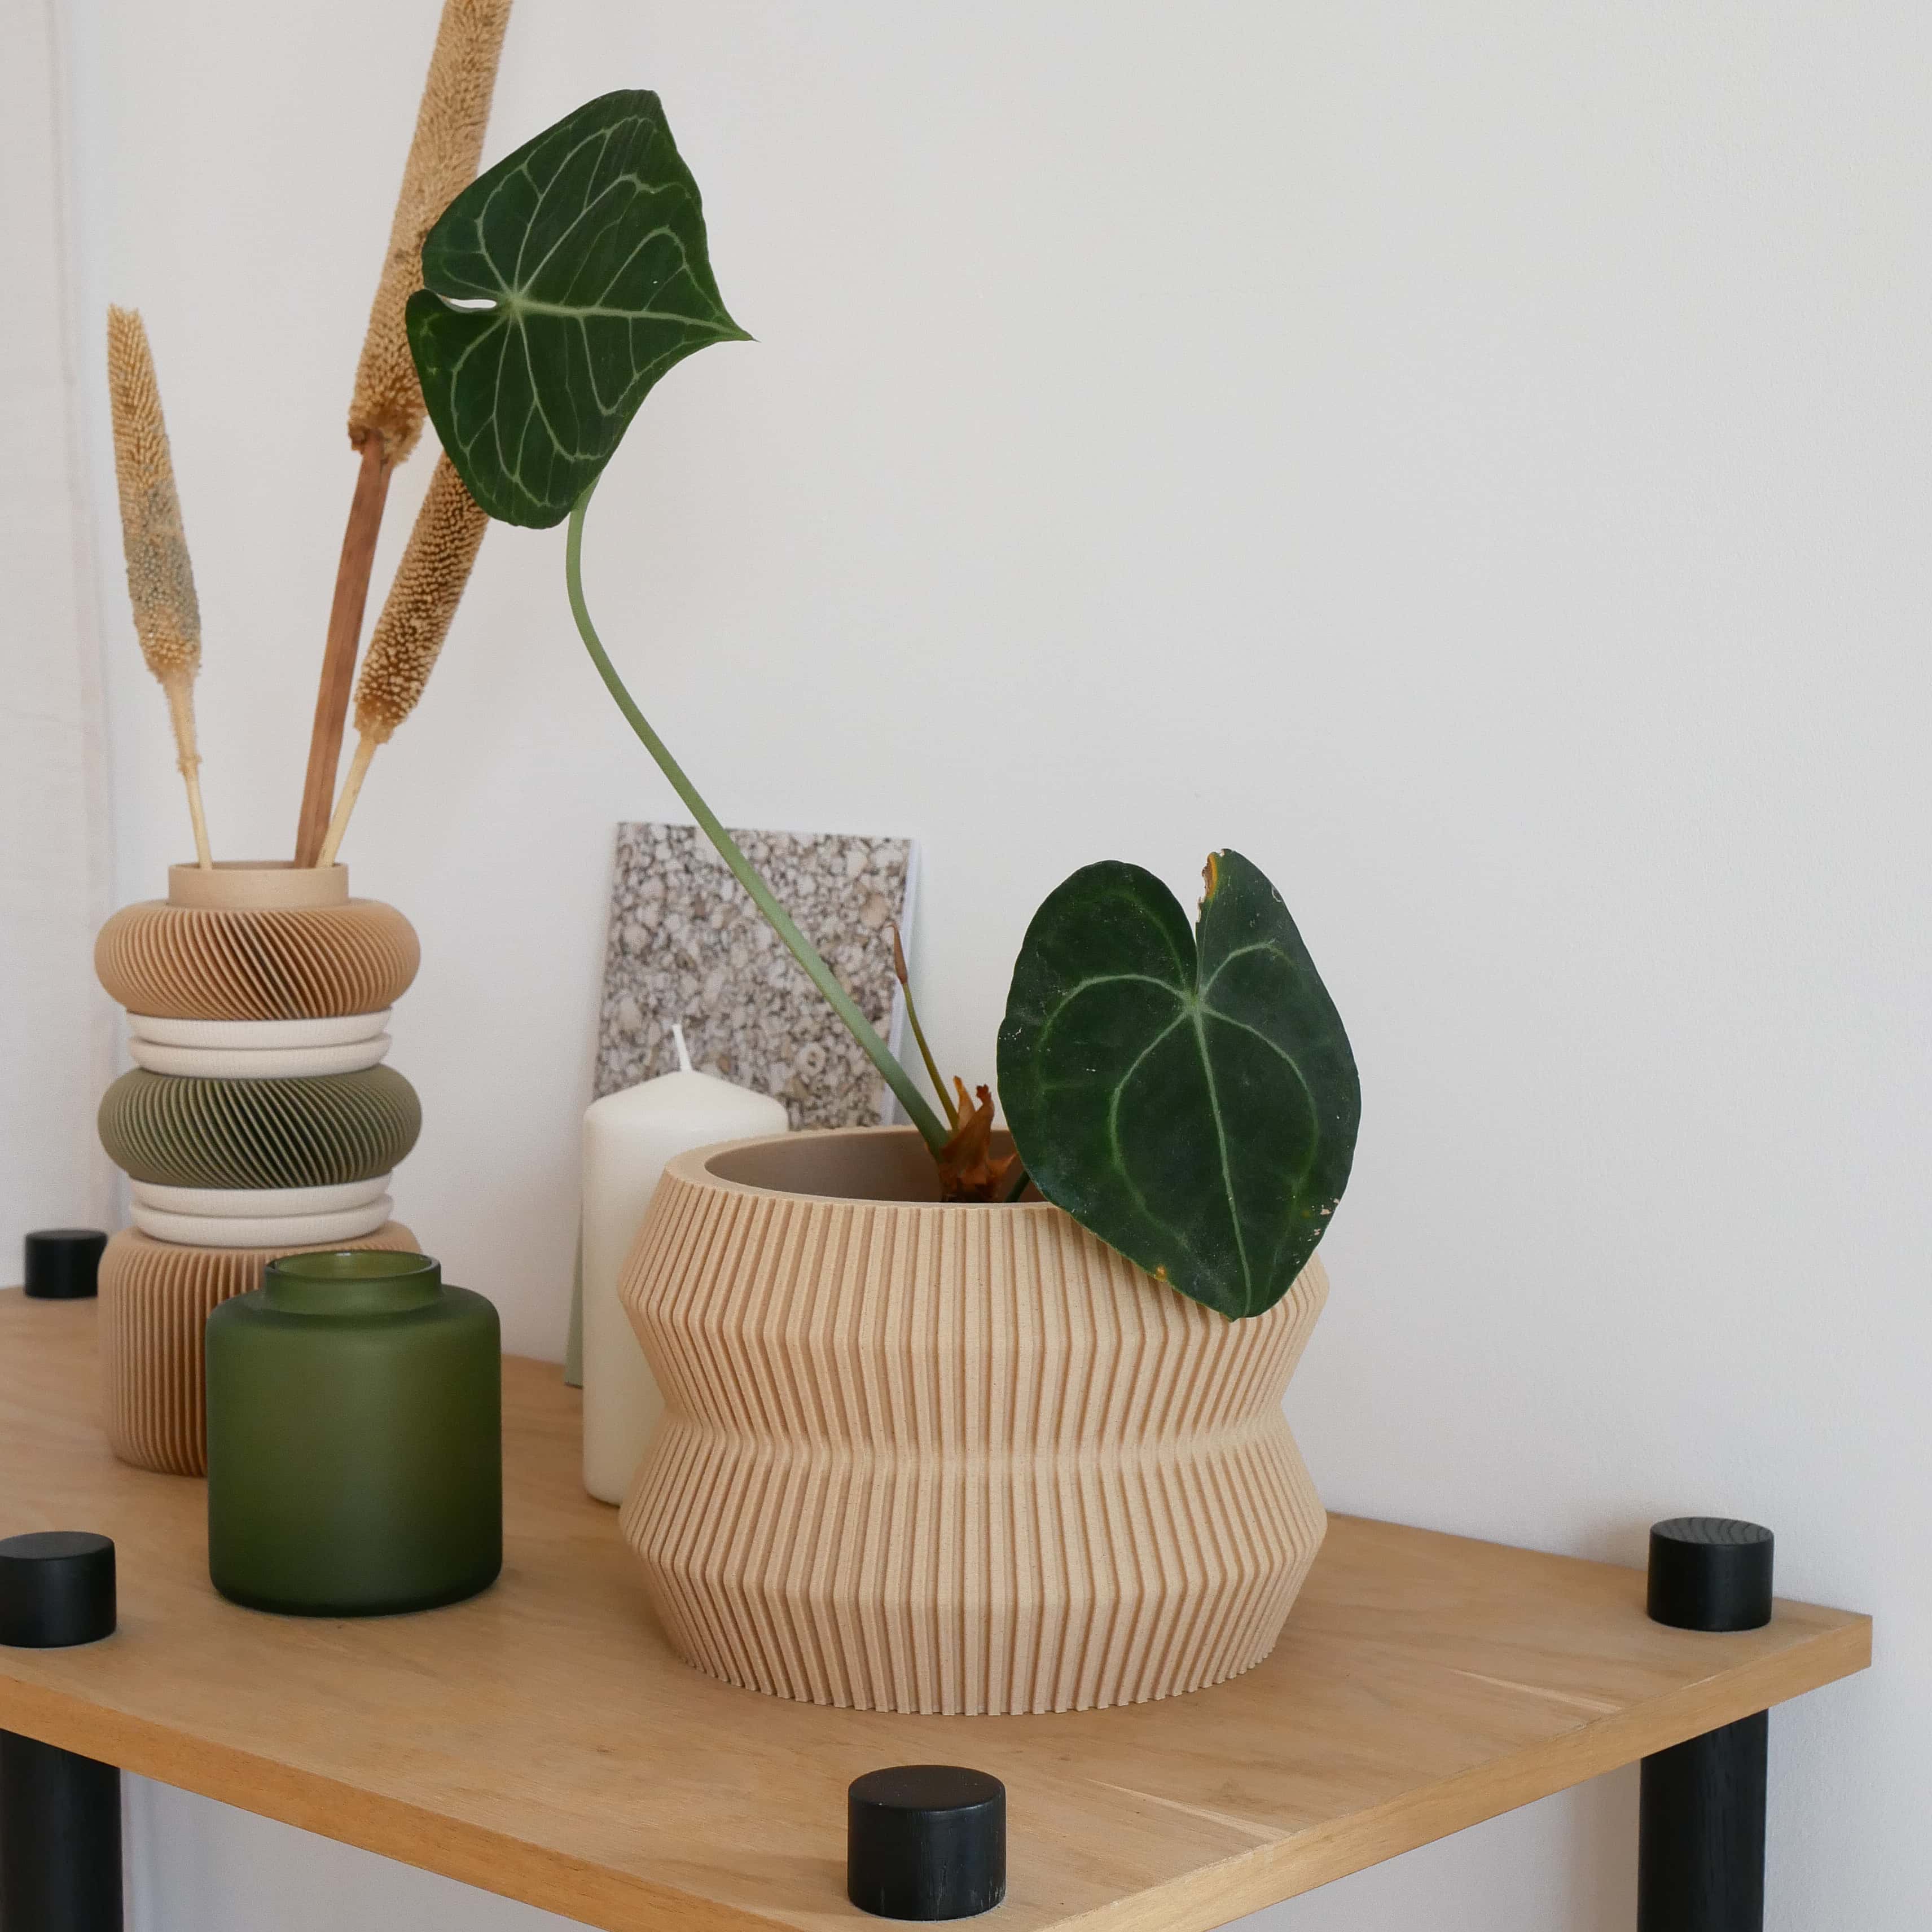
{"points": [[950, 1459], [155, 1297], [257, 942]]}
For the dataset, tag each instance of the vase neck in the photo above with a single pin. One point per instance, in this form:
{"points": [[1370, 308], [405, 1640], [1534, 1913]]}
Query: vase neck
{"points": [[269, 885], [355, 1282]]}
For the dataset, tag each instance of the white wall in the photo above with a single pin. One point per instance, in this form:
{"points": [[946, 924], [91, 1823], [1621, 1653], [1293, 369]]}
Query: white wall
{"points": [[57, 1032], [1472, 458]]}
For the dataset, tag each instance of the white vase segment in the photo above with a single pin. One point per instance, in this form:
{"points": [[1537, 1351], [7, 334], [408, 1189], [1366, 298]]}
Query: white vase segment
{"points": [[272, 1062], [627, 1137], [258, 1035], [229, 1204], [289, 1231]]}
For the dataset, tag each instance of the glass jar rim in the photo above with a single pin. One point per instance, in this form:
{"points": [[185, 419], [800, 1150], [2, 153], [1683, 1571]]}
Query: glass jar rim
{"points": [[351, 1281]]}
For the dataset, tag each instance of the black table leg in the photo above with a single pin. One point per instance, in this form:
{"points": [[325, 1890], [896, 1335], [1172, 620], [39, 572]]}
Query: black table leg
{"points": [[60, 1840], [1700, 1833], [1700, 1817], [60, 1814]]}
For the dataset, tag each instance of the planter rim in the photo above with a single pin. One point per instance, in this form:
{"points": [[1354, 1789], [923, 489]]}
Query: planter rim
{"points": [[816, 1147]]}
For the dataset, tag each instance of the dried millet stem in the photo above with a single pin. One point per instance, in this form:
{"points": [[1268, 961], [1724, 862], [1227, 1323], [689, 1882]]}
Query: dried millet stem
{"points": [[409, 635], [161, 579], [386, 408], [388, 399]]}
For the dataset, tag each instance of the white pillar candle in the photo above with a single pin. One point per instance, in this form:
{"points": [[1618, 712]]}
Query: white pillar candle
{"points": [[627, 1137]]}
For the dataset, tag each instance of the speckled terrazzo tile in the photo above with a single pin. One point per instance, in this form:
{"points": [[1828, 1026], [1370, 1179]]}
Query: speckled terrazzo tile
{"points": [[686, 945]]}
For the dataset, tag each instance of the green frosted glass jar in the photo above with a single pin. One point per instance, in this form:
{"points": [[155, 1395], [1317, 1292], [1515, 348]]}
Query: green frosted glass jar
{"points": [[354, 1438]]}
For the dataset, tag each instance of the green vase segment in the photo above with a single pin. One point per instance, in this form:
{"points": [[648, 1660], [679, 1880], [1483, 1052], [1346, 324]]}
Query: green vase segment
{"points": [[315, 1132], [354, 1438]]}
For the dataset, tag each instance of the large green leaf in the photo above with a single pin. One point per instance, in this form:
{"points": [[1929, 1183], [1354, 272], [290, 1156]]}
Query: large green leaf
{"points": [[580, 262], [1190, 1098]]}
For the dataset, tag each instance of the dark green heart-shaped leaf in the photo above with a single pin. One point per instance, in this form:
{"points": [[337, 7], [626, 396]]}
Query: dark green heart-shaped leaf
{"points": [[1190, 1097], [582, 258]]}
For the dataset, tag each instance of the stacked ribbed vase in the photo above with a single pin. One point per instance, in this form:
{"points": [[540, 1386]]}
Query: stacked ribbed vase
{"points": [[258, 1120]]}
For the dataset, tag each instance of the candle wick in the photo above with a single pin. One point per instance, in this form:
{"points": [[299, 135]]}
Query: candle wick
{"points": [[683, 1051]]}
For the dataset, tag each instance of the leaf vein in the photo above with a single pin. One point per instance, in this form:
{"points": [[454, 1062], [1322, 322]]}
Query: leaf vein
{"points": [[1227, 1172]]}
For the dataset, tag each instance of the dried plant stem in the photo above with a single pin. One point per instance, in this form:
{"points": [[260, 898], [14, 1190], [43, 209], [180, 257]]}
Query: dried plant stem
{"points": [[161, 579], [386, 407], [747, 874], [409, 635], [351, 790], [181, 709], [338, 657], [387, 400]]}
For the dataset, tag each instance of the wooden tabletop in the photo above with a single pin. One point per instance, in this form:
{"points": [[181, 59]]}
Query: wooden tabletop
{"points": [[541, 1741]]}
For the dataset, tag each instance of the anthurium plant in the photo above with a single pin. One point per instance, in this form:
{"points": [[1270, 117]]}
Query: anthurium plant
{"points": [[1186, 1091]]}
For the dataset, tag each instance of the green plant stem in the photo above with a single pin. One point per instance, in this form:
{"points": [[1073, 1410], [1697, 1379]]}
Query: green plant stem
{"points": [[802, 949], [926, 1054], [918, 1032]]}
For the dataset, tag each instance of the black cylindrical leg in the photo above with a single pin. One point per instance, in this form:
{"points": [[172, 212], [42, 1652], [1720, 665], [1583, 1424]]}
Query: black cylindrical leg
{"points": [[60, 1840], [1700, 1818], [60, 1814], [1700, 1833]]}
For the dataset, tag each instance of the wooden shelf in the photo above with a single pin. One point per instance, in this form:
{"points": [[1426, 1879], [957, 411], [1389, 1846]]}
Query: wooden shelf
{"points": [[542, 1742]]}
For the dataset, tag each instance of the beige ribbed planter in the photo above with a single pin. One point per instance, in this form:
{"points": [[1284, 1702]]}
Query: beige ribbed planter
{"points": [[950, 1459]]}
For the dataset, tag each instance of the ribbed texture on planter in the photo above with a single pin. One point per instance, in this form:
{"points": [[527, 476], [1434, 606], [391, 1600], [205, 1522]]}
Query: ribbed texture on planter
{"points": [[315, 1132], [956, 1459], [310, 962], [154, 1298]]}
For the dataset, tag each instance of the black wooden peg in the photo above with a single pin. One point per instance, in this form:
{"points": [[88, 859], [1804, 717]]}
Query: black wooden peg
{"points": [[926, 1841], [1709, 1573], [63, 1263], [60, 1814]]}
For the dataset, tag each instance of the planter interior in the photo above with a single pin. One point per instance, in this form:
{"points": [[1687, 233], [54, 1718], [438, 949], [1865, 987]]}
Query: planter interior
{"points": [[857, 1164]]}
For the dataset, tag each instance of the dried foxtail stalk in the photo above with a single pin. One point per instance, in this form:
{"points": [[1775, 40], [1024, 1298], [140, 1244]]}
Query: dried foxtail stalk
{"points": [[386, 408], [160, 580], [450, 123], [409, 635]]}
